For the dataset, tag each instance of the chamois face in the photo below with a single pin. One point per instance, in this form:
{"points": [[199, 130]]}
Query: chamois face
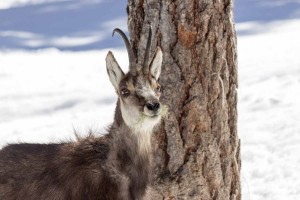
{"points": [[138, 93]]}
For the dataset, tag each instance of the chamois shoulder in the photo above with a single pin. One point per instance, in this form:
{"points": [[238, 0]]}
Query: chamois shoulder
{"points": [[87, 149]]}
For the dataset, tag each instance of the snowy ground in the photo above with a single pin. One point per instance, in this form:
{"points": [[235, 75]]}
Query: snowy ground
{"points": [[269, 120], [47, 92]]}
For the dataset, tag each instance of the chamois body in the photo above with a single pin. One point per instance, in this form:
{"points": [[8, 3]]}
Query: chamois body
{"points": [[113, 166], [107, 167]]}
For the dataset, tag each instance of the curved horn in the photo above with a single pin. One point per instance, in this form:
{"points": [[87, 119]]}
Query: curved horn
{"points": [[131, 56], [147, 52]]}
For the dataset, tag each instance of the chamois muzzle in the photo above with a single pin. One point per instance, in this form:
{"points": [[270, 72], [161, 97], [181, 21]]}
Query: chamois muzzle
{"points": [[152, 108]]}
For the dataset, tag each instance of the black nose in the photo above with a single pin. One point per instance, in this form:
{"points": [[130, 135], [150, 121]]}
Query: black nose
{"points": [[153, 106]]}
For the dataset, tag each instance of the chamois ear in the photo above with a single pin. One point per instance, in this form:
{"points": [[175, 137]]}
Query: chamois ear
{"points": [[114, 71], [155, 66]]}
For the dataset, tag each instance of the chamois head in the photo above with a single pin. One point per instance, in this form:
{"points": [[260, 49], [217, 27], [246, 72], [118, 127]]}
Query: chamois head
{"points": [[138, 90]]}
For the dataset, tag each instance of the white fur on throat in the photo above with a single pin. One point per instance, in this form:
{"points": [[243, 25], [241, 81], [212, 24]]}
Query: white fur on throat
{"points": [[141, 125]]}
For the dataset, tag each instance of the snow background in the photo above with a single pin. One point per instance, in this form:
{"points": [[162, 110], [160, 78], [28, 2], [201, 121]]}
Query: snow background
{"points": [[53, 80]]}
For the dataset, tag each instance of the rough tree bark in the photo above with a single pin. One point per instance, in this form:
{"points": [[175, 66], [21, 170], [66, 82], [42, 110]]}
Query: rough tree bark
{"points": [[196, 152]]}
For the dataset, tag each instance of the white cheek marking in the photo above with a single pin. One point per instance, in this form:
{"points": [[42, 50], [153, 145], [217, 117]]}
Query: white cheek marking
{"points": [[130, 115]]}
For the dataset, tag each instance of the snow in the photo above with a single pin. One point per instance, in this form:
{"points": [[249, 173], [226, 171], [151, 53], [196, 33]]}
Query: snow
{"points": [[45, 94], [269, 96], [53, 80]]}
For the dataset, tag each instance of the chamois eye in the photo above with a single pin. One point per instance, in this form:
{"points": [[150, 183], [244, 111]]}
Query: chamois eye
{"points": [[125, 92]]}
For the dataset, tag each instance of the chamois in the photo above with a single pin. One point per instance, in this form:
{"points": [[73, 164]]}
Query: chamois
{"points": [[113, 166]]}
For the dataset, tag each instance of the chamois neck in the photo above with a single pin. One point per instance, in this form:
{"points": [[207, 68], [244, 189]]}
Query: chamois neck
{"points": [[142, 137]]}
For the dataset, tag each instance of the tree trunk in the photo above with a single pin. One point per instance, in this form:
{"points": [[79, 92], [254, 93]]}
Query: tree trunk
{"points": [[196, 149]]}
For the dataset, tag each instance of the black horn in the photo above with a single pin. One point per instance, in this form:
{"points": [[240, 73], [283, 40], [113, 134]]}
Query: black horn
{"points": [[131, 56], [147, 52]]}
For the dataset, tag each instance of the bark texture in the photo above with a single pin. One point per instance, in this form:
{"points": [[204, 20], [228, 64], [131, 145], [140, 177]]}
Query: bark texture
{"points": [[196, 149]]}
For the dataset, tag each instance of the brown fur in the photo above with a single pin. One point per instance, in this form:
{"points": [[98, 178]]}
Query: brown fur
{"points": [[115, 166], [108, 167]]}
